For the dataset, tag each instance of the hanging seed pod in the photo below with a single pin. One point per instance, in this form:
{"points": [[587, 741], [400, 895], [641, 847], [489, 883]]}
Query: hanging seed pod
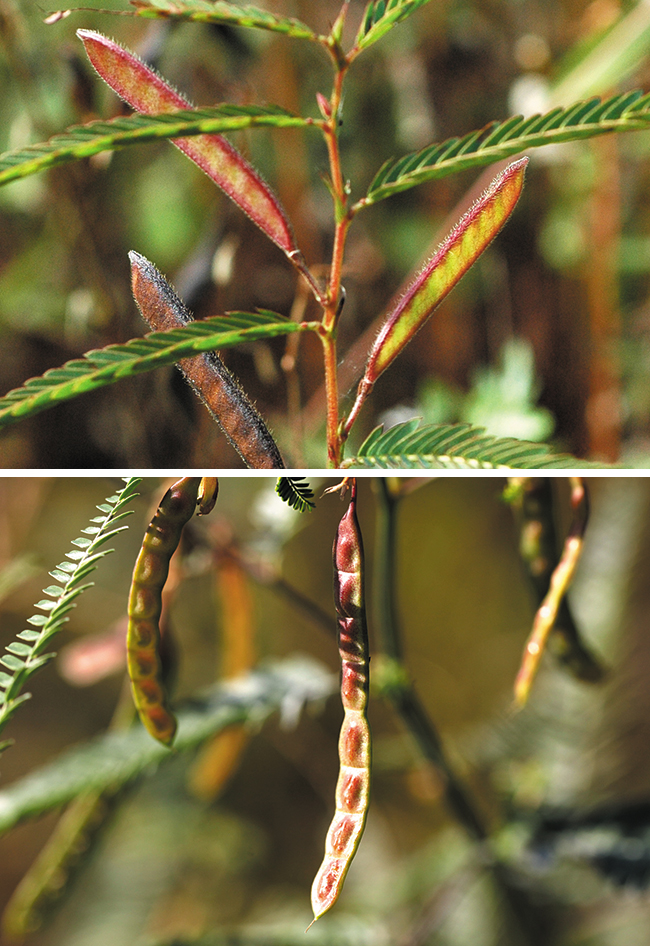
{"points": [[352, 789], [145, 604], [559, 582], [535, 499], [214, 384]]}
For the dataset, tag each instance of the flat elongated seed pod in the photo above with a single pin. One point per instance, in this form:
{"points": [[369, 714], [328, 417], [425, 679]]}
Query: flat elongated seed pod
{"points": [[460, 249], [353, 786], [212, 381], [145, 603], [147, 92]]}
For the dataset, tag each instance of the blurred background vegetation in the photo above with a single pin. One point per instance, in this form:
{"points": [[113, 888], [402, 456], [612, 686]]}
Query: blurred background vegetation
{"points": [[547, 337], [224, 851]]}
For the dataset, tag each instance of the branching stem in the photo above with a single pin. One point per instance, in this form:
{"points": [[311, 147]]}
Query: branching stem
{"points": [[401, 693], [343, 219]]}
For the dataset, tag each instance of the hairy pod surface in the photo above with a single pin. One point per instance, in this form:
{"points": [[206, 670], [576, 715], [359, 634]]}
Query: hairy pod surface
{"points": [[145, 604], [213, 383], [147, 92], [461, 248], [353, 785]]}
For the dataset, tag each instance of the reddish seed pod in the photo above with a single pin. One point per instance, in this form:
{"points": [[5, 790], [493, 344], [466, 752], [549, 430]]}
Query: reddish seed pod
{"points": [[145, 604], [147, 92], [353, 786]]}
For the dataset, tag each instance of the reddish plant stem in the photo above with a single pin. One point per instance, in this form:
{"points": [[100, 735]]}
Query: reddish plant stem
{"points": [[332, 392], [343, 218]]}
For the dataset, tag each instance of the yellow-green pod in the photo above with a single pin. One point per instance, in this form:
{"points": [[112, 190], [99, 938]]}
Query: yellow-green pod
{"points": [[145, 604]]}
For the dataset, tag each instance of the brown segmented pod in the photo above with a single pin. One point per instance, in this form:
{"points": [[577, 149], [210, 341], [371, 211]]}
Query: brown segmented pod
{"points": [[353, 786], [145, 603], [214, 384]]}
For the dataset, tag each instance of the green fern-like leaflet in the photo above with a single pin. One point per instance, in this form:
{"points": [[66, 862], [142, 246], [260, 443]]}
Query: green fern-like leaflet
{"points": [[629, 111], [295, 491], [454, 447], [380, 16], [26, 655], [209, 11]]}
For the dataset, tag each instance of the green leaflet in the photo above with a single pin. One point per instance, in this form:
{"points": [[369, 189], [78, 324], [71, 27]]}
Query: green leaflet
{"points": [[296, 492], [83, 141], [454, 447], [379, 18], [108, 365], [627, 112], [24, 657], [221, 12]]}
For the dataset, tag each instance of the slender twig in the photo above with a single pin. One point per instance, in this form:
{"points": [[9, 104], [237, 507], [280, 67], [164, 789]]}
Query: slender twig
{"points": [[265, 574], [342, 218], [401, 693]]}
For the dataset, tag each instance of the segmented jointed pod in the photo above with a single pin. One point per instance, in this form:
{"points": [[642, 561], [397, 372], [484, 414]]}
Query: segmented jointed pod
{"points": [[145, 603], [212, 381], [352, 789], [560, 580]]}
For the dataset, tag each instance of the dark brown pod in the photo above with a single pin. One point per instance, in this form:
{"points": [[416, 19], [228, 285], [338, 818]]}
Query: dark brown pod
{"points": [[214, 384]]}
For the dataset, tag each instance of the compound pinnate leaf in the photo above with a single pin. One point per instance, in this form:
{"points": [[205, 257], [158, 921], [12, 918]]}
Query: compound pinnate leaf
{"points": [[84, 141], [145, 91], [108, 365], [25, 659], [461, 248], [454, 447], [221, 12], [296, 492], [629, 111]]}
